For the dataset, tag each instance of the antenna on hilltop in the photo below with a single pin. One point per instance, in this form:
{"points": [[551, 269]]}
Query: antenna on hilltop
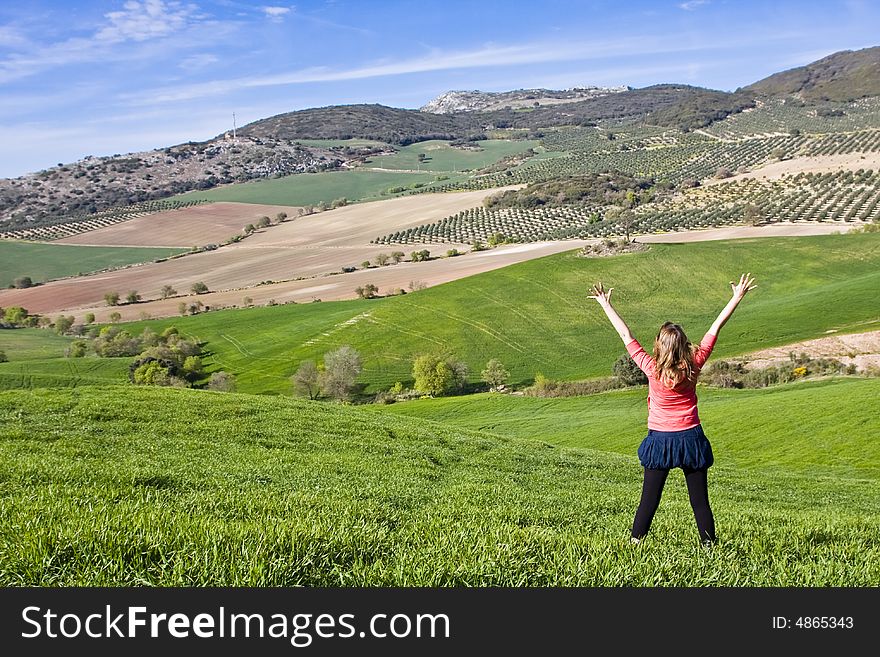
{"points": [[233, 126]]}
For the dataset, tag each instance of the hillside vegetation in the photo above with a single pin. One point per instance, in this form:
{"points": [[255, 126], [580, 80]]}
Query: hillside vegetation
{"points": [[44, 262], [137, 487], [844, 76], [534, 316]]}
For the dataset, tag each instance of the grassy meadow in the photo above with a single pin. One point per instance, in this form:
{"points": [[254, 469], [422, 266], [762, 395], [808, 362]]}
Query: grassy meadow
{"points": [[44, 262], [827, 427], [312, 188], [534, 316], [150, 486], [442, 157]]}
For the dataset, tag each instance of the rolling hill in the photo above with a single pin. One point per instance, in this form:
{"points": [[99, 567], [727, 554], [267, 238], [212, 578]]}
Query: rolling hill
{"points": [[534, 316], [843, 76], [135, 486]]}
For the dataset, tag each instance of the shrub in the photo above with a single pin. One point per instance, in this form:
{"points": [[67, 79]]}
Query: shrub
{"points": [[168, 291], [22, 282], [222, 382], [306, 380], [628, 372], [112, 298], [397, 256], [132, 297], [115, 317], [77, 349], [199, 288], [338, 380], [436, 376], [89, 318], [495, 374], [3, 357], [367, 291]]}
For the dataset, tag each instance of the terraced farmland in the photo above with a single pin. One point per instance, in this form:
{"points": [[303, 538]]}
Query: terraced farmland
{"points": [[68, 226], [843, 196]]}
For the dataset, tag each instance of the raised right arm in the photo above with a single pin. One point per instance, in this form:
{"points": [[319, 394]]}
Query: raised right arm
{"points": [[604, 299], [746, 284]]}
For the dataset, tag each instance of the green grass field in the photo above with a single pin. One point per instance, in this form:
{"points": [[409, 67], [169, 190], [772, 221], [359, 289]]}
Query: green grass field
{"points": [[312, 188], [148, 486], [442, 157], [44, 262], [63, 372], [534, 316], [30, 344], [827, 428]]}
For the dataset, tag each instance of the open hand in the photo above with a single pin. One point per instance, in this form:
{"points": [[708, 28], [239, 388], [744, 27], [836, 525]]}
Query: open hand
{"points": [[746, 284], [600, 294]]}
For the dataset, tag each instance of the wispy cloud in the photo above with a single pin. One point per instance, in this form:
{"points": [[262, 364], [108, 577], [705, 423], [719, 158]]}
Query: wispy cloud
{"points": [[275, 13], [690, 5], [437, 60], [149, 19], [138, 22]]}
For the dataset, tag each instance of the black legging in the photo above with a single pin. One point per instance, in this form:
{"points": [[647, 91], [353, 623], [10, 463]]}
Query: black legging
{"points": [[698, 492]]}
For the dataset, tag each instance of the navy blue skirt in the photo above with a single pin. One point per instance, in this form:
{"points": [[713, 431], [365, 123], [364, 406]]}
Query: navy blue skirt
{"points": [[664, 450]]}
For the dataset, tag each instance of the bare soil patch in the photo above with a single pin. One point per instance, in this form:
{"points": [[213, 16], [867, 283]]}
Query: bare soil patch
{"points": [[212, 223], [811, 164], [859, 349]]}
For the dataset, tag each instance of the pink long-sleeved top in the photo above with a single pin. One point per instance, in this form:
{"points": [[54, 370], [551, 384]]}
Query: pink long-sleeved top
{"points": [[671, 409]]}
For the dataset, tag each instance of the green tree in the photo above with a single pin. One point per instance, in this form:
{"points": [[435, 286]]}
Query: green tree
{"points": [[436, 376], [280, 217], [112, 298], [192, 367], [15, 315], [451, 253], [132, 297], [263, 222], [89, 318], [151, 373], [341, 368], [199, 288], [366, 264], [306, 380], [168, 291], [478, 246], [77, 349], [115, 317], [397, 256], [248, 229], [63, 324], [382, 259], [495, 374], [22, 282], [182, 308]]}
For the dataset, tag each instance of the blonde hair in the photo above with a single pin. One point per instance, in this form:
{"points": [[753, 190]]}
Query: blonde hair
{"points": [[673, 356]]}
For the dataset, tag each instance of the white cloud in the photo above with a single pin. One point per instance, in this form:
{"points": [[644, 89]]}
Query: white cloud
{"points": [[276, 13], [690, 5], [149, 19], [138, 22]]}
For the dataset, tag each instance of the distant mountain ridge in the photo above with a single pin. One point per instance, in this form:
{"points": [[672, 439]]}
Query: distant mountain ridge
{"points": [[270, 146], [477, 101]]}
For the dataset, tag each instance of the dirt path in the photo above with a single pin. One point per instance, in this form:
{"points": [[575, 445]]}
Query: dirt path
{"points": [[859, 349], [781, 229]]}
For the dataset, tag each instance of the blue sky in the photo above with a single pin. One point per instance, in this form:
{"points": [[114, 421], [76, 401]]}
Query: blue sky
{"points": [[104, 77]]}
